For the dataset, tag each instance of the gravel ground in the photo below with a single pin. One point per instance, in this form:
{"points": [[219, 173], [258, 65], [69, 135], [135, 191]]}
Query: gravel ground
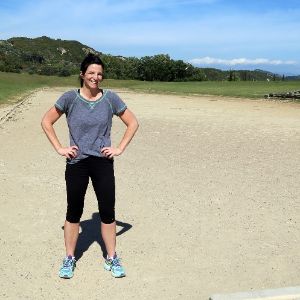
{"points": [[207, 201]]}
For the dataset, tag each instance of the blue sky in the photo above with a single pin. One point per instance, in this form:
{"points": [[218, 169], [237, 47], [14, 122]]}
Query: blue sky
{"points": [[220, 34]]}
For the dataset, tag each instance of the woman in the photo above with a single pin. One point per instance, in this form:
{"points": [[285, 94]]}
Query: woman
{"points": [[89, 111]]}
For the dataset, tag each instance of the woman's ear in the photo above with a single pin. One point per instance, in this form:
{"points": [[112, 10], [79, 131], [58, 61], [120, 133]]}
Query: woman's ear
{"points": [[81, 74]]}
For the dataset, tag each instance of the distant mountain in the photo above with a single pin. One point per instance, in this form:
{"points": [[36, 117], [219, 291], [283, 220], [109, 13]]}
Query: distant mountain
{"points": [[46, 56], [292, 78], [27, 54]]}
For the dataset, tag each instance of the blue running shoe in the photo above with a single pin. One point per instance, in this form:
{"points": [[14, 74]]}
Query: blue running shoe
{"points": [[67, 269], [113, 265]]}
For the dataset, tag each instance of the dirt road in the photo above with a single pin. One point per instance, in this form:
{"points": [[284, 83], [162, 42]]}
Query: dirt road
{"points": [[207, 202]]}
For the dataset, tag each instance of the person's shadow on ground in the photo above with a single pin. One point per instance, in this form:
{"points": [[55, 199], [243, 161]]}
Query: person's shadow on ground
{"points": [[90, 233]]}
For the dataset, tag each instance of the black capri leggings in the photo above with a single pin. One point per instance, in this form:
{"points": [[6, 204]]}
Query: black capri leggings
{"points": [[101, 172]]}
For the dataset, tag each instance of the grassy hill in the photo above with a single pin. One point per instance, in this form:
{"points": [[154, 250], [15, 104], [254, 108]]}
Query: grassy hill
{"points": [[46, 56], [42, 55]]}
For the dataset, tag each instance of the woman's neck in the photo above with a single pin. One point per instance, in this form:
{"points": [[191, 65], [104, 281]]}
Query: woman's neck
{"points": [[90, 93]]}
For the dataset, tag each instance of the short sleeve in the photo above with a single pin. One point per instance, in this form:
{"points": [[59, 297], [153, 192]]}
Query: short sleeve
{"points": [[64, 102], [117, 104]]}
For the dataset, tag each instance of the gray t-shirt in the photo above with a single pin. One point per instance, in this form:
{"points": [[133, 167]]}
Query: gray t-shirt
{"points": [[90, 121]]}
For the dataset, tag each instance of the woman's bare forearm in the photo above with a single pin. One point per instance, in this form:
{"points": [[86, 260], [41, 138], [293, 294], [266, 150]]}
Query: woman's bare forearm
{"points": [[51, 135], [128, 135]]}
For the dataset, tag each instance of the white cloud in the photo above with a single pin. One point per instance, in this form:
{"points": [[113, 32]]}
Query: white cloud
{"points": [[240, 61]]}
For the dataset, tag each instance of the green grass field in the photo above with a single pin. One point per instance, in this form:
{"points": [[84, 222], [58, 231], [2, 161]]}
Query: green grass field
{"points": [[14, 87]]}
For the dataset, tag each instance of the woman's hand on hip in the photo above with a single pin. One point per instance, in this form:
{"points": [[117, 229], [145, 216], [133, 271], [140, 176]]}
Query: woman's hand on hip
{"points": [[110, 152], [69, 152]]}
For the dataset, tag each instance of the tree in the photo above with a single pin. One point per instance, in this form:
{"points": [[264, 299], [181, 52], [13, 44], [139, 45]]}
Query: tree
{"points": [[131, 68], [233, 76], [48, 70], [113, 68], [146, 68], [180, 70], [163, 67], [64, 72]]}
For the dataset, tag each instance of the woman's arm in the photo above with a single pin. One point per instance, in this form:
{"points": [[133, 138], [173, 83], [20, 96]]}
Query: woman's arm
{"points": [[51, 116], [132, 125]]}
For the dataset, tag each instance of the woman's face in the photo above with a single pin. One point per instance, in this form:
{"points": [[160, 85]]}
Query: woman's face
{"points": [[93, 76]]}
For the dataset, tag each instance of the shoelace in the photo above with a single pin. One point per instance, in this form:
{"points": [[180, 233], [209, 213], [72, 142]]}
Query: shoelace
{"points": [[116, 262], [68, 262]]}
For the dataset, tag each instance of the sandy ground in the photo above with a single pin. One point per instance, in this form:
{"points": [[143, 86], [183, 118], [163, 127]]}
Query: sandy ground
{"points": [[207, 202]]}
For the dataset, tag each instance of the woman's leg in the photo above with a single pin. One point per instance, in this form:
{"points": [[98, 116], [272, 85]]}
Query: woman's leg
{"points": [[71, 233], [103, 180], [77, 180], [104, 185], [108, 232]]}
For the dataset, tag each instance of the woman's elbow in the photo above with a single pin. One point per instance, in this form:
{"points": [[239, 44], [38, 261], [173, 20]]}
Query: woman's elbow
{"points": [[50, 117], [136, 124], [44, 123]]}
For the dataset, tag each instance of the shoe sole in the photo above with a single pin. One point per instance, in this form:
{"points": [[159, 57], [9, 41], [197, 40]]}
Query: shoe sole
{"points": [[107, 268], [65, 276], [121, 276]]}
